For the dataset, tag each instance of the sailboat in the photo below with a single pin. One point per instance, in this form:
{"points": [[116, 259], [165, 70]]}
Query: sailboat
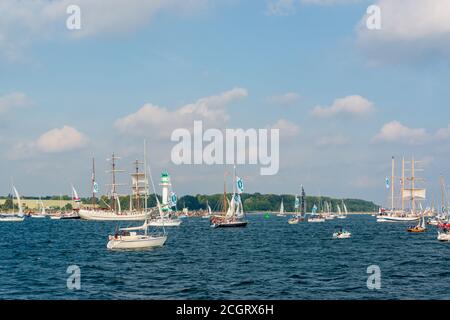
{"points": [[114, 212], [19, 217], [421, 227], [209, 215], [316, 218], [282, 213], [73, 215], [234, 217], [42, 214], [138, 238], [345, 214], [168, 217], [412, 193], [300, 209]]}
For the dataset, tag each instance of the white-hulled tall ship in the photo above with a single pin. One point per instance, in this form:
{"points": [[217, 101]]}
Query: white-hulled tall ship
{"points": [[408, 192], [114, 211]]}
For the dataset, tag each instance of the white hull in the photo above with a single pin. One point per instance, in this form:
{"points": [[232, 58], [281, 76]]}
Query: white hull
{"points": [[342, 217], [345, 235], [316, 220], [397, 219], [11, 219], [442, 236], [135, 242], [38, 216], [281, 215], [55, 218], [165, 223], [95, 215]]}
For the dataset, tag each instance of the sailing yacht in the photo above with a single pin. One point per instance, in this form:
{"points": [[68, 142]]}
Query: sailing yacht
{"points": [[19, 217], [138, 238], [209, 215], [282, 212], [42, 214], [342, 215], [234, 217], [316, 218], [114, 212]]}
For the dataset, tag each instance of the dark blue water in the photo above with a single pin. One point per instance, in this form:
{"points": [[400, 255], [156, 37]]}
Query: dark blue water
{"points": [[268, 260]]}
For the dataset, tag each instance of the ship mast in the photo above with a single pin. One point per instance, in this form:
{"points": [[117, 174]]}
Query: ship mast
{"points": [[393, 184], [114, 184], [225, 205], [93, 184]]}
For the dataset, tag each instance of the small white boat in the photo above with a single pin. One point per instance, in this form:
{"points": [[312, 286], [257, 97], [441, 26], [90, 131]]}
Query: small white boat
{"points": [[443, 234], [282, 213], [342, 234], [55, 217], [316, 220], [14, 217], [129, 238], [42, 214], [342, 215], [165, 222], [135, 241]]}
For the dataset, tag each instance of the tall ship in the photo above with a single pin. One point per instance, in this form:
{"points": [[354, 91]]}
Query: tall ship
{"points": [[406, 206], [113, 211]]}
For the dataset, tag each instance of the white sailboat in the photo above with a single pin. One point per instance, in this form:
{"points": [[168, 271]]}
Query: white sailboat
{"points": [[138, 238], [342, 215], [19, 217], [73, 215], [209, 215], [42, 214], [300, 207], [282, 212]]}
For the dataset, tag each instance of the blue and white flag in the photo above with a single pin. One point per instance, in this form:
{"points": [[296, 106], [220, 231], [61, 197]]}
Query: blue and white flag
{"points": [[240, 185], [297, 203], [388, 183], [95, 187], [173, 199]]}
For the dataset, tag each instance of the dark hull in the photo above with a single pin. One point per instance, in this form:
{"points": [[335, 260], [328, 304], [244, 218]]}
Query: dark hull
{"points": [[237, 224]]}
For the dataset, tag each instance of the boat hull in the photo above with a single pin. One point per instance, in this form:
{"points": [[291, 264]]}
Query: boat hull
{"points": [[397, 219], [165, 223], [320, 220], [232, 224], [443, 236], [11, 219], [346, 235], [136, 242], [111, 216]]}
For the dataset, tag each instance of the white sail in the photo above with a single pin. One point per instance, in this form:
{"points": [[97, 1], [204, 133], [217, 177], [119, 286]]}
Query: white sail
{"points": [[42, 207], [209, 210], [282, 207], [345, 209], [339, 210], [418, 194], [19, 202]]}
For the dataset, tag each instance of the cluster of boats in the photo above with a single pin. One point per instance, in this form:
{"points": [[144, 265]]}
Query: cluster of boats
{"points": [[300, 214], [410, 192]]}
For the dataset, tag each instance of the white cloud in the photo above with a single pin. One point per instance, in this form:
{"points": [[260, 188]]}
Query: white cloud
{"points": [[333, 140], [353, 105], [280, 7], [160, 122], [286, 99], [24, 22], [398, 133], [443, 133], [287, 128], [13, 100], [409, 29], [57, 140]]}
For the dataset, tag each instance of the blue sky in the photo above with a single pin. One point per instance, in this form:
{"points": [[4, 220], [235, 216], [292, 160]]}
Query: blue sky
{"points": [[170, 54]]}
